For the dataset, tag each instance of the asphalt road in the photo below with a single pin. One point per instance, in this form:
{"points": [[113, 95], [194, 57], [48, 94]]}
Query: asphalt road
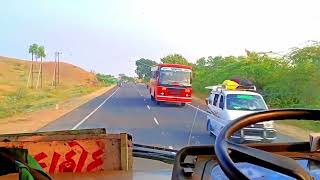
{"points": [[129, 109]]}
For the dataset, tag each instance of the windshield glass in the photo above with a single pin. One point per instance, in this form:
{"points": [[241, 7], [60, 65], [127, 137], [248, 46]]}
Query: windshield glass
{"points": [[175, 76], [145, 67], [245, 102]]}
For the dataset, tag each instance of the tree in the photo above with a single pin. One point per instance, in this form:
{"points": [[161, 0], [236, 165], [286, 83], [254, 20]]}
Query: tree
{"points": [[41, 52], [33, 50], [175, 59], [201, 62], [143, 69], [308, 54]]}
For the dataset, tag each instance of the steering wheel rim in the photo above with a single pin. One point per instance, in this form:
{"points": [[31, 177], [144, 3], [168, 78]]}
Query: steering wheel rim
{"points": [[223, 145]]}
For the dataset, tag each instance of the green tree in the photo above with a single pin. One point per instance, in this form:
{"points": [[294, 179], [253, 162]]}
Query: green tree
{"points": [[308, 54], [41, 52], [33, 50], [175, 59], [289, 81], [106, 80], [201, 62], [143, 69]]}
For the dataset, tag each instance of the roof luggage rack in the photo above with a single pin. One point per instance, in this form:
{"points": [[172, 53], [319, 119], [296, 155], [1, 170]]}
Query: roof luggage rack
{"points": [[247, 88], [239, 88]]}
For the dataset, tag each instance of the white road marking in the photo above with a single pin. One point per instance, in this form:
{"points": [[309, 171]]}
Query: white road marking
{"points": [[155, 120], [148, 107], [194, 120], [198, 109], [139, 92], [90, 114]]}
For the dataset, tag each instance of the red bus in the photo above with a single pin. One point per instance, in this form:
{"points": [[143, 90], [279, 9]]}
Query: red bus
{"points": [[171, 83]]}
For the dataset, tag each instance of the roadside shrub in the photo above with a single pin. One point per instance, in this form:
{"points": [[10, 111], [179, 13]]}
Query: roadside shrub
{"points": [[106, 80], [290, 81]]}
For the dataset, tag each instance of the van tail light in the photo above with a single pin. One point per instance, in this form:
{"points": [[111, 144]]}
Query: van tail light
{"points": [[206, 101]]}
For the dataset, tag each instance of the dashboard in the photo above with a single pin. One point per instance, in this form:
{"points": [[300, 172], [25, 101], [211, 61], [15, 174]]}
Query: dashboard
{"points": [[256, 172], [200, 162]]}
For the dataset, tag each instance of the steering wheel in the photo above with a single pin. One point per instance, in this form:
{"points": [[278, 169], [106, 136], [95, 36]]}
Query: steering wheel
{"points": [[272, 161]]}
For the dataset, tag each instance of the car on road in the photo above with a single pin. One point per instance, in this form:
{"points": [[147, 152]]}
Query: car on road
{"points": [[119, 83], [225, 105]]}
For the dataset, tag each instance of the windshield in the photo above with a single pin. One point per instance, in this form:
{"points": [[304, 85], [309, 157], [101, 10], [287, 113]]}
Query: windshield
{"points": [[245, 102], [175, 76], [144, 68]]}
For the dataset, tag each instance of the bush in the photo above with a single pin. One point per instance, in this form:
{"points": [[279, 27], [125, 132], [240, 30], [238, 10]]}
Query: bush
{"points": [[106, 80], [284, 82]]}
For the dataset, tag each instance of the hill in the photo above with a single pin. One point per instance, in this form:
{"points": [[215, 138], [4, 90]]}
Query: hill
{"points": [[14, 74], [16, 98]]}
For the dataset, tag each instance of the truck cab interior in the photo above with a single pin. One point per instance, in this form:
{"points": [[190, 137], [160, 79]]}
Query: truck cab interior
{"points": [[223, 160]]}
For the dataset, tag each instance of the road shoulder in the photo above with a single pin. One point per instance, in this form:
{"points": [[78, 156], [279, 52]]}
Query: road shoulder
{"points": [[293, 131], [33, 121]]}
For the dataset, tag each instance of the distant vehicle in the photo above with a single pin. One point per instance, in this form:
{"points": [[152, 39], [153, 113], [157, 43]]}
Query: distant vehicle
{"points": [[225, 105], [171, 83], [119, 83]]}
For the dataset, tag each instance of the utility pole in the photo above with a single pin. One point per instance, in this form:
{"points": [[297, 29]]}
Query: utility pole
{"points": [[56, 70], [39, 80], [58, 54], [30, 77], [32, 73]]}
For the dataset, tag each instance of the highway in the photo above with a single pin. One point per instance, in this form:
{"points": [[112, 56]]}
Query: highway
{"points": [[129, 109]]}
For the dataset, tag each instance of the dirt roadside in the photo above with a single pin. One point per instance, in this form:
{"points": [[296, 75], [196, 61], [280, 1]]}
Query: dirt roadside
{"points": [[294, 131], [30, 122]]}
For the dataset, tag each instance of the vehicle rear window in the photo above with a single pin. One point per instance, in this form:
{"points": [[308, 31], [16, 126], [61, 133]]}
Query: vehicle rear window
{"points": [[245, 102]]}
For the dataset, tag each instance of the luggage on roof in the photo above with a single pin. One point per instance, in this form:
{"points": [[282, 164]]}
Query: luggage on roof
{"points": [[230, 85], [234, 84]]}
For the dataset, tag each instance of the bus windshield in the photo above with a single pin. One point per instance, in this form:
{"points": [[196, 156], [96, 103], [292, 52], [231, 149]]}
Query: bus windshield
{"points": [[245, 102], [175, 76]]}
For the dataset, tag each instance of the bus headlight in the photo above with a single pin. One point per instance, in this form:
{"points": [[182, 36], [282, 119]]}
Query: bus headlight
{"points": [[162, 93], [187, 95]]}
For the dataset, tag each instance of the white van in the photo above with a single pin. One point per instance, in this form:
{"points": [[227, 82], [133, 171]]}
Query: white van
{"points": [[227, 105]]}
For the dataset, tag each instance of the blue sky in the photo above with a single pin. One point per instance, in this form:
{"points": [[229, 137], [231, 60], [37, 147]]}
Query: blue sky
{"points": [[108, 36]]}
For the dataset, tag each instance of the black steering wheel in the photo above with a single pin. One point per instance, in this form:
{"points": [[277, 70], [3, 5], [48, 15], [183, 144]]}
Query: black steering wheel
{"points": [[261, 158]]}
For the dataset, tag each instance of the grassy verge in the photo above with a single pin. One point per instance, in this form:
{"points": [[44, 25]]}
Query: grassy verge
{"points": [[303, 124], [200, 95], [28, 100]]}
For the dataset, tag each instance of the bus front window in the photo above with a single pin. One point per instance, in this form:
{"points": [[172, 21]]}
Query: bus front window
{"points": [[175, 76]]}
